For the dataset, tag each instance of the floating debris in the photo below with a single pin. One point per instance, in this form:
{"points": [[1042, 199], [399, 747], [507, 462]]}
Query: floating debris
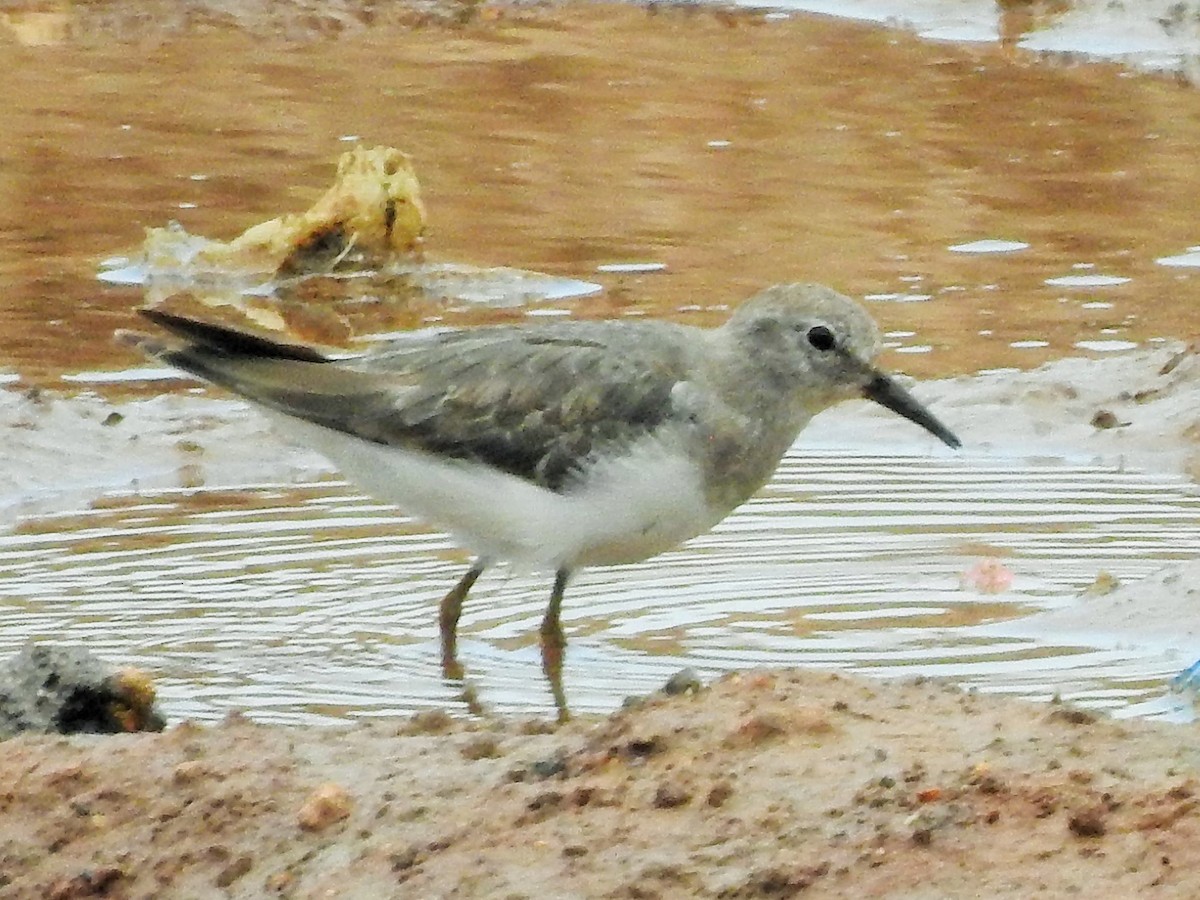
{"points": [[370, 215], [987, 576], [350, 264]]}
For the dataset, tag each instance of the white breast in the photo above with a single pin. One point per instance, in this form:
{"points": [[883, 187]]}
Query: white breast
{"points": [[626, 509]]}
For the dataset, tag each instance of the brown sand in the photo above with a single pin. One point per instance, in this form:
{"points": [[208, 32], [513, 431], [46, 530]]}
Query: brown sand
{"points": [[764, 785]]}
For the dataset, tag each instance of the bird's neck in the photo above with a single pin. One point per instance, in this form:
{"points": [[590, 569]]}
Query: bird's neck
{"points": [[760, 412]]}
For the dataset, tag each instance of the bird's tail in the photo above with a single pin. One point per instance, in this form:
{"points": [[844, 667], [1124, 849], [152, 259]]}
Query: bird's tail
{"points": [[258, 368], [221, 339]]}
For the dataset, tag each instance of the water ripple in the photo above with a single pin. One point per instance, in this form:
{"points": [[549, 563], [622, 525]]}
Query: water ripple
{"points": [[309, 604]]}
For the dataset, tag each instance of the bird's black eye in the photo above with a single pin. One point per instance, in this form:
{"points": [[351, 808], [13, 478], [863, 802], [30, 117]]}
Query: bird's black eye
{"points": [[821, 338]]}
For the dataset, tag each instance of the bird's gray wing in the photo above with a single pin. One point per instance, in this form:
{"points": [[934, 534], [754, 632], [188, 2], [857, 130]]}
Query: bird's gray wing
{"points": [[533, 402]]}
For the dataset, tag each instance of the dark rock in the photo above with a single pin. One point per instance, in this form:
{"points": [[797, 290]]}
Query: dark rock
{"points": [[685, 681], [66, 690]]}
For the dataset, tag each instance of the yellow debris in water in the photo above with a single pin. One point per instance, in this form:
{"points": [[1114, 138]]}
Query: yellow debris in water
{"points": [[371, 215]]}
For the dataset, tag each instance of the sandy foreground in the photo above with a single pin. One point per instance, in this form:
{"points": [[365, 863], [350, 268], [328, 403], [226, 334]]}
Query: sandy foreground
{"points": [[764, 784]]}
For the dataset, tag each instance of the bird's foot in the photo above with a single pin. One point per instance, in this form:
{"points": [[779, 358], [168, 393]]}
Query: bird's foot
{"points": [[452, 669], [554, 678], [552, 665]]}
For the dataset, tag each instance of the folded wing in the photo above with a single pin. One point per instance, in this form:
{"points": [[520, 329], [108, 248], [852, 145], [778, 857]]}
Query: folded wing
{"points": [[535, 402]]}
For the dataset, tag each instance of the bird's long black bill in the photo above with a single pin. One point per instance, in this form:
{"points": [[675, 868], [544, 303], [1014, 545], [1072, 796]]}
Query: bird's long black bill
{"points": [[886, 392]]}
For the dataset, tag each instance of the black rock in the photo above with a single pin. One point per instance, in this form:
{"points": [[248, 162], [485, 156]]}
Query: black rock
{"points": [[50, 689]]}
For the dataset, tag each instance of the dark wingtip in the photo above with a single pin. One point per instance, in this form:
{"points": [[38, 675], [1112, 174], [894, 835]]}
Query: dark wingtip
{"points": [[226, 340]]}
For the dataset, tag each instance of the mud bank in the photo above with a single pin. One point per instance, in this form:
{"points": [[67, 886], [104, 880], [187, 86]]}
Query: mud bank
{"points": [[764, 785], [1135, 409]]}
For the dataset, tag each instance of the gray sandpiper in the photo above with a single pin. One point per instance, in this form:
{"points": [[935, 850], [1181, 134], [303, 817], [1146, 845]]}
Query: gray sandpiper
{"points": [[556, 446]]}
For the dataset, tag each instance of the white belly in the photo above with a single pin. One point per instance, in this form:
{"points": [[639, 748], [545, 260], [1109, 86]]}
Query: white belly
{"points": [[626, 510]]}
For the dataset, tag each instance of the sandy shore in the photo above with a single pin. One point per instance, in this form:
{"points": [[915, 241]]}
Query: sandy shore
{"points": [[764, 785]]}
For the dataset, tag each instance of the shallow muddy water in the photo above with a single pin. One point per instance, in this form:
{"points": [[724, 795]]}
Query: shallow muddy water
{"points": [[993, 209], [738, 149], [311, 603]]}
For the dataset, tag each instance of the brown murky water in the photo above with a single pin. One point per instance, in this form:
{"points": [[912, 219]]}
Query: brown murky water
{"points": [[740, 150]]}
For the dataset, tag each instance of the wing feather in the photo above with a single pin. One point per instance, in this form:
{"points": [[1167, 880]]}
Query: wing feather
{"points": [[534, 402]]}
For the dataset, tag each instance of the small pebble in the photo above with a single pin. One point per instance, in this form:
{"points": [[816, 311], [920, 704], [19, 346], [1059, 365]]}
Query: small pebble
{"points": [[671, 795], [1106, 418], [719, 793], [685, 681], [326, 805], [1088, 823]]}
